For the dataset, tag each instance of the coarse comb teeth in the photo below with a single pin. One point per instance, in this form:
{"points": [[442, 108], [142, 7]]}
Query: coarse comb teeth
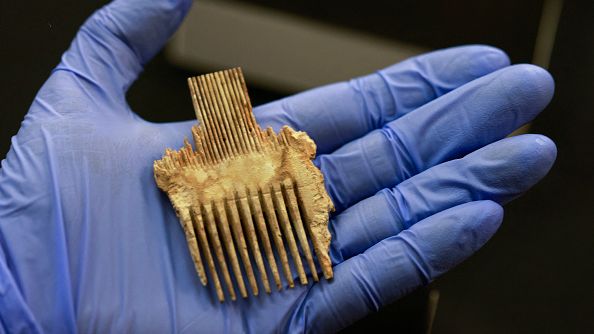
{"points": [[243, 191]]}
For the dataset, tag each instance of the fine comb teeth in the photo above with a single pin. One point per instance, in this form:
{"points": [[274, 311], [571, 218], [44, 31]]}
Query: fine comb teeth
{"points": [[245, 190]]}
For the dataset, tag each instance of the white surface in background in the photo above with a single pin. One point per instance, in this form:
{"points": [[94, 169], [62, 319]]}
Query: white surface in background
{"points": [[547, 32], [277, 50]]}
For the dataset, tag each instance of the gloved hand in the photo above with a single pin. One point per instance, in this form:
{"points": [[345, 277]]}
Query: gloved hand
{"points": [[413, 157]]}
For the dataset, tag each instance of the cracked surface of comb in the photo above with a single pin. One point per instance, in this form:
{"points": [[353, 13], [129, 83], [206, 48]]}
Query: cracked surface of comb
{"points": [[248, 199]]}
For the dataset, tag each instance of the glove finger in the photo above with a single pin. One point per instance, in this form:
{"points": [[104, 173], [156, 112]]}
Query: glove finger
{"points": [[338, 113], [480, 112], [16, 316], [398, 265], [498, 172], [113, 45]]}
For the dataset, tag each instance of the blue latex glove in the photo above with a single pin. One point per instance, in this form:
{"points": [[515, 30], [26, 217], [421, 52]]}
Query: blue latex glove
{"points": [[413, 158]]}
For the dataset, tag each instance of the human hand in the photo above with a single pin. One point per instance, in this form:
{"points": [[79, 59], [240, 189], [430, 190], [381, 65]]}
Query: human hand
{"points": [[413, 158]]}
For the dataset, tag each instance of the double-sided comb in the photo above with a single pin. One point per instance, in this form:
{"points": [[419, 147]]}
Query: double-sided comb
{"points": [[246, 191]]}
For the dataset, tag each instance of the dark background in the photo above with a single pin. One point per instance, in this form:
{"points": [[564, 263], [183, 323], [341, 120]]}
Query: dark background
{"points": [[536, 274]]}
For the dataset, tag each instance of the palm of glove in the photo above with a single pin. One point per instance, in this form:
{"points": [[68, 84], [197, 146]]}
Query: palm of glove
{"points": [[90, 243]]}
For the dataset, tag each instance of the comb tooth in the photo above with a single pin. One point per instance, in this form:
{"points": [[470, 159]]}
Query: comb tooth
{"points": [[298, 224], [199, 226], [256, 209], [247, 140], [270, 139], [276, 234], [237, 231], [203, 154], [283, 138], [281, 209], [223, 106], [243, 111], [205, 122], [237, 129], [231, 253], [219, 141], [188, 154], [244, 93], [186, 221], [241, 90], [319, 247], [211, 227], [216, 108], [246, 217]]}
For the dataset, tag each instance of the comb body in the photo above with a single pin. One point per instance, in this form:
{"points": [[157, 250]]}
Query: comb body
{"points": [[246, 197]]}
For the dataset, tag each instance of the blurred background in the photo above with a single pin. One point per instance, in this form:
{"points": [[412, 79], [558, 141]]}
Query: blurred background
{"points": [[535, 275]]}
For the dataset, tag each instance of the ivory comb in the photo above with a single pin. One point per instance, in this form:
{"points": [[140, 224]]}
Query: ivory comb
{"points": [[245, 195]]}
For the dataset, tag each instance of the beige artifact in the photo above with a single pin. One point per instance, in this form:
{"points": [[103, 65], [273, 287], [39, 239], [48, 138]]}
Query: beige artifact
{"points": [[245, 190]]}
